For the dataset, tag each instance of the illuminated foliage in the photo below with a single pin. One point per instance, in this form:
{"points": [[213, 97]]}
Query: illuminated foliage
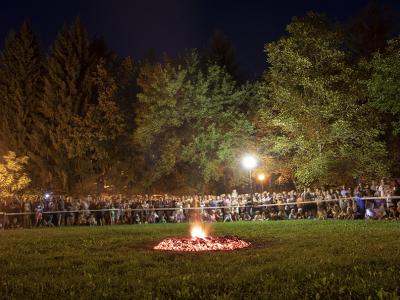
{"points": [[188, 121], [326, 111], [312, 120], [384, 86], [13, 178]]}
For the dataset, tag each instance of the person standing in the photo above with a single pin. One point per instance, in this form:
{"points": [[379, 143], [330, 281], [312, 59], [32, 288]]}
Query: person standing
{"points": [[60, 206], [359, 205], [38, 215], [396, 193], [27, 221]]}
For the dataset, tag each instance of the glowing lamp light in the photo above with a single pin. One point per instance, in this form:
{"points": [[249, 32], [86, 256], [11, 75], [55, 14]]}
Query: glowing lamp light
{"points": [[249, 162], [261, 177], [47, 195]]}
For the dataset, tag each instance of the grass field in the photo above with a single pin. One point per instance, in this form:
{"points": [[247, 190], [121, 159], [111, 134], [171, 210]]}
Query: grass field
{"points": [[290, 259]]}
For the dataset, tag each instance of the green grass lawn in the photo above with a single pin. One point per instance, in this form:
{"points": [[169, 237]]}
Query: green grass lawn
{"points": [[290, 259]]}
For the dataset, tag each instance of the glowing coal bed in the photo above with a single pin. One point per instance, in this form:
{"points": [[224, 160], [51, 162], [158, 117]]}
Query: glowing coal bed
{"points": [[201, 242]]}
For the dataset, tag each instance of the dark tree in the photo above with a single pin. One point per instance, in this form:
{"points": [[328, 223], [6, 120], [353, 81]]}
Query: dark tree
{"points": [[384, 95], [68, 92], [221, 52], [368, 31], [21, 90]]}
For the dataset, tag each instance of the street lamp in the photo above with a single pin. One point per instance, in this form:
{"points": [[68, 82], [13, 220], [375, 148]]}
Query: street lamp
{"points": [[249, 162], [261, 178]]}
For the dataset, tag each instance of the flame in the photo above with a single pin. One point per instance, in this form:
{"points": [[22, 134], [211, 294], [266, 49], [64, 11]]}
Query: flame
{"points": [[202, 241], [197, 232], [210, 243]]}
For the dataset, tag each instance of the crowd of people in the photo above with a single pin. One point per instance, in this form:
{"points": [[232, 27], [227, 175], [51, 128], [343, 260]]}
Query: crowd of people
{"points": [[365, 201]]}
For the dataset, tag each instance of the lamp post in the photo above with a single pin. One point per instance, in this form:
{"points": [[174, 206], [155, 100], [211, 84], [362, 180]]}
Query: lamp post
{"points": [[249, 163], [261, 178]]}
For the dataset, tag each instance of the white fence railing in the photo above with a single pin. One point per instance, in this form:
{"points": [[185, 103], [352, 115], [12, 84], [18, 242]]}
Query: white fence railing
{"points": [[4, 215]]}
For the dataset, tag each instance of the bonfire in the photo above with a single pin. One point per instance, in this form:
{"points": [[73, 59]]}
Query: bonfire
{"points": [[201, 241]]}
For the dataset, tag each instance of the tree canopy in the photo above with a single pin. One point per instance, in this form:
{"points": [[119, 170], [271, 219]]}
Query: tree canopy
{"points": [[312, 122], [13, 176], [80, 119], [189, 122]]}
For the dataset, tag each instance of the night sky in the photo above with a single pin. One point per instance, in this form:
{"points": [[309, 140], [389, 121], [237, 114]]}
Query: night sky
{"points": [[134, 27]]}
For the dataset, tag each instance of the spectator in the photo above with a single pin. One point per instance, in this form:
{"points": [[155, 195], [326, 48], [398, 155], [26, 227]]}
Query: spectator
{"points": [[332, 203], [292, 215]]}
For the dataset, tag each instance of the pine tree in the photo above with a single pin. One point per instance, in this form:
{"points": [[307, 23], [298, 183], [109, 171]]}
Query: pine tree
{"points": [[21, 90], [68, 92], [126, 72], [98, 134]]}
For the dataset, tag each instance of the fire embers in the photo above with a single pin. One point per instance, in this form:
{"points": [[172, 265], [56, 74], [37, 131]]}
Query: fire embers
{"points": [[226, 243]]}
